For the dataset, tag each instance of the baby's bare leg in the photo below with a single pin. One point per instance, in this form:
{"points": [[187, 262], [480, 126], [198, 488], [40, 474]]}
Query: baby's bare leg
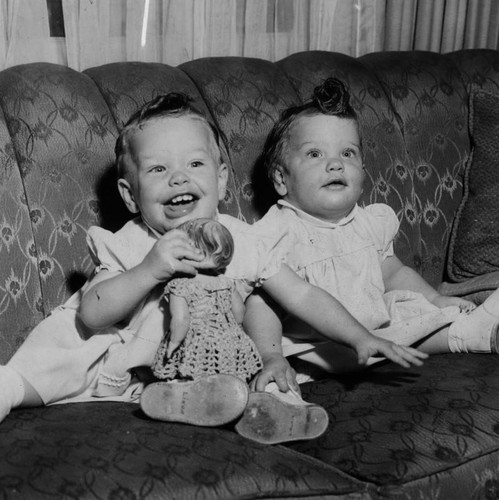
{"points": [[436, 343]]}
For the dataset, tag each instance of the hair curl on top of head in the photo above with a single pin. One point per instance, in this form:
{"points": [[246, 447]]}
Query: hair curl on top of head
{"points": [[213, 239], [174, 104], [331, 98]]}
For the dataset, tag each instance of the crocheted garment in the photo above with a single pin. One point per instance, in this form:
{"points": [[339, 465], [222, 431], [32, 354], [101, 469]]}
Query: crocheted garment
{"points": [[215, 342]]}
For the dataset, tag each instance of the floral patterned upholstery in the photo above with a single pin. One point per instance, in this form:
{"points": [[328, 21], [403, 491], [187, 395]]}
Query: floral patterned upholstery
{"points": [[430, 99], [434, 429], [429, 432], [245, 97], [110, 450]]}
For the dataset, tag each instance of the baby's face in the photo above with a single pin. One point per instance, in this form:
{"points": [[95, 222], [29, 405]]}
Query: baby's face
{"points": [[323, 171], [177, 175]]}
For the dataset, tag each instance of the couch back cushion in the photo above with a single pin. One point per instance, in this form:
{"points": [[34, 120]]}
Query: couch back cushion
{"points": [[245, 96], [63, 136], [21, 305], [428, 94]]}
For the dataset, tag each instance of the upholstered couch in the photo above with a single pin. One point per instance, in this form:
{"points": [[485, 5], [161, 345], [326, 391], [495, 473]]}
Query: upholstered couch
{"points": [[429, 432]]}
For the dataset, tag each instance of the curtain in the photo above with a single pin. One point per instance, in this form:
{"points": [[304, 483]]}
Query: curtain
{"points": [[85, 33]]}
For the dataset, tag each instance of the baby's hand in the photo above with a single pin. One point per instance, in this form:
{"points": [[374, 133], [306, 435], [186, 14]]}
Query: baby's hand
{"points": [[276, 368], [402, 355], [171, 255], [464, 305]]}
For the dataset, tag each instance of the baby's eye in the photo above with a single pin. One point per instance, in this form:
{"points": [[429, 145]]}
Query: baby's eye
{"points": [[314, 153], [197, 163], [349, 153], [157, 169]]}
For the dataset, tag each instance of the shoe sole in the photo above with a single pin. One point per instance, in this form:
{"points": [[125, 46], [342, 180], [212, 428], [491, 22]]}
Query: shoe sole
{"points": [[211, 401], [269, 420]]}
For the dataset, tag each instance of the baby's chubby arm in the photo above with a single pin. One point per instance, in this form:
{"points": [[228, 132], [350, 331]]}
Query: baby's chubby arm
{"points": [[264, 327], [397, 276], [112, 296], [328, 316]]}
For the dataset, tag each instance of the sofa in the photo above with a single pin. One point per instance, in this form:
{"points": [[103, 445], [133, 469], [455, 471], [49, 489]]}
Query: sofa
{"points": [[429, 134]]}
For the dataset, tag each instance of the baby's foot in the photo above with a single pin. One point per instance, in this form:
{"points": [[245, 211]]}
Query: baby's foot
{"points": [[276, 417], [211, 401], [477, 331]]}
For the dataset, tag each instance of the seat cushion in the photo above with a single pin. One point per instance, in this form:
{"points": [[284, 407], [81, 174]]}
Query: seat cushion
{"points": [[428, 428], [112, 450]]}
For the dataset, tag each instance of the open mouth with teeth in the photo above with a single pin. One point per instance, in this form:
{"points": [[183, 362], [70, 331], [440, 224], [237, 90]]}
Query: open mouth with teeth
{"points": [[181, 204], [182, 199]]}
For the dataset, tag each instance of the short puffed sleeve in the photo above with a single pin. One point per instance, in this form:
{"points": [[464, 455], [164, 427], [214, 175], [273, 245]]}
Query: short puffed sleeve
{"points": [[383, 225], [122, 250], [258, 252]]}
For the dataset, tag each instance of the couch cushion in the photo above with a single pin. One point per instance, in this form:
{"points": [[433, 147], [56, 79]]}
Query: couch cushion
{"points": [[430, 99], [63, 138], [111, 450], [475, 237], [433, 429], [21, 306]]}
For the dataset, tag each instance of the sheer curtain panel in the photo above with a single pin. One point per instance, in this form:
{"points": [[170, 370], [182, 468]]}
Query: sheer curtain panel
{"points": [[85, 33]]}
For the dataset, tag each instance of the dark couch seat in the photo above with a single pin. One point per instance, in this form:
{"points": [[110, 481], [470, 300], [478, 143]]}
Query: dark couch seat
{"points": [[394, 433], [113, 451], [429, 429]]}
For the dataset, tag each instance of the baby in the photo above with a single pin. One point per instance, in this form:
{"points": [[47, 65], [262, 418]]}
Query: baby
{"points": [[170, 171], [314, 159]]}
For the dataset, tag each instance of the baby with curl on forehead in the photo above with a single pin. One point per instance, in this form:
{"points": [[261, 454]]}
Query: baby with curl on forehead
{"points": [[313, 157]]}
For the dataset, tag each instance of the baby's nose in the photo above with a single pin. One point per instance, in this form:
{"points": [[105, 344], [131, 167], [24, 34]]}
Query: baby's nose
{"points": [[334, 164], [178, 177]]}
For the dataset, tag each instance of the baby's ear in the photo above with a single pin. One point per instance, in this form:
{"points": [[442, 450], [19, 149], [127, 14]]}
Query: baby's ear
{"points": [[126, 193], [279, 181], [223, 175]]}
